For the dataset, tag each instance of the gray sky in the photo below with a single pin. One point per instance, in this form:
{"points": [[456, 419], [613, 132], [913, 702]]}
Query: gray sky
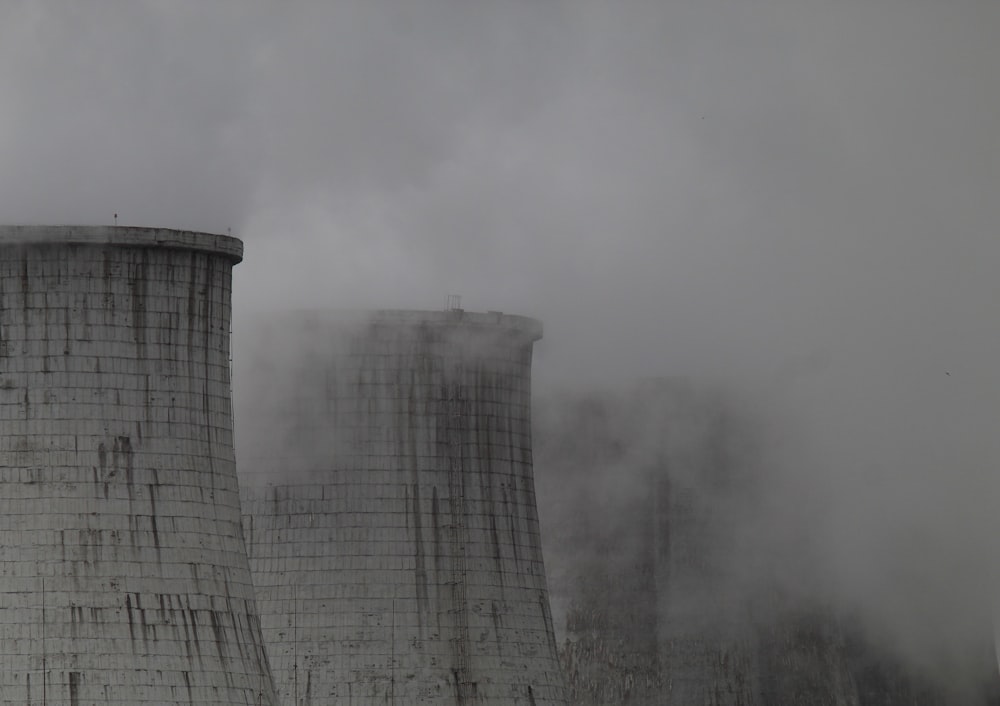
{"points": [[798, 195], [687, 186]]}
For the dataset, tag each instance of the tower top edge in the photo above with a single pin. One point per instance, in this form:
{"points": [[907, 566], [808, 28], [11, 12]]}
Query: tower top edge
{"points": [[124, 236], [525, 326]]}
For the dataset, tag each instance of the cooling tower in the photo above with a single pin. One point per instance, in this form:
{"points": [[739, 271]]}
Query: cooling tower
{"points": [[390, 509], [664, 595], [637, 492], [124, 577]]}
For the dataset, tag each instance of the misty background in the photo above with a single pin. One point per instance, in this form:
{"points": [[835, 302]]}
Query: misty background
{"points": [[794, 200]]}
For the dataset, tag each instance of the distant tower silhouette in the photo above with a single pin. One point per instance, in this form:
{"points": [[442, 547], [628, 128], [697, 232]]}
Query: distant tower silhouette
{"points": [[390, 509]]}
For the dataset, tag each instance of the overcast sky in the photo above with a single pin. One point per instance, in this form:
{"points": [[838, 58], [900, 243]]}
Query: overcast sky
{"points": [[800, 195], [674, 186]]}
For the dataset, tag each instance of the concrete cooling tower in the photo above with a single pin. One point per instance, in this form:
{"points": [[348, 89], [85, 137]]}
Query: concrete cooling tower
{"points": [[390, 509], [639, 495], [124, 577]]}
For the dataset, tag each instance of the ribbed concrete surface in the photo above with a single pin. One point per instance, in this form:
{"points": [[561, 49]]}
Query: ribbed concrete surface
{"points": [[123, 574], [391, 518]]}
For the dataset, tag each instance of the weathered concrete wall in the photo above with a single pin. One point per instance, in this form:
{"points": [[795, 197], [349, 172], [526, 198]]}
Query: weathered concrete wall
{"points": [[390, 509], [123, 573]]}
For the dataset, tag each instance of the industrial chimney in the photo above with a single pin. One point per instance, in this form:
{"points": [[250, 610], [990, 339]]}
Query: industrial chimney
{"points": [[390, 508], [124, 577]]}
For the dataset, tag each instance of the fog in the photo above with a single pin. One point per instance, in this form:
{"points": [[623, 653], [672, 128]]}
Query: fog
{"points": [[793, 200]]}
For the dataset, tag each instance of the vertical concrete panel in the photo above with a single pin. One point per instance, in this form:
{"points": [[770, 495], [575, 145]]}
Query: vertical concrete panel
{"points": [[390, 510], [123, 573]]}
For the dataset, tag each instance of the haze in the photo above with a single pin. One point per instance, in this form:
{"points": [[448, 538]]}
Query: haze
{"points": [[792, 198]]}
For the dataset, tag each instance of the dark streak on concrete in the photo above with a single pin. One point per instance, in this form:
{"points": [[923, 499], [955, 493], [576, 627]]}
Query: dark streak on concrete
{"points": [[139, 285], [192, 302], [193, 617], [456, 434], [438, 571], [511, 522], [124, 444], [25, 289], [102, 460], [495, 537], [495, 614], [420, 574], [143, 624], [68, 331], [547, 616], [74, 688], [220, 636], [131, 618], [210, 451], [153, 487]]}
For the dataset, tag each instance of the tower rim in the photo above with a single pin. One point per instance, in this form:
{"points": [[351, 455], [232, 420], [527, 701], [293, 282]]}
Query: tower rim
{"points": [[522, 326], [123, 236]]}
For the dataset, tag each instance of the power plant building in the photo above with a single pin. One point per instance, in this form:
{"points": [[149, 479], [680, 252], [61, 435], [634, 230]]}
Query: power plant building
{"points": [[123, 573], [390, 512]]}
